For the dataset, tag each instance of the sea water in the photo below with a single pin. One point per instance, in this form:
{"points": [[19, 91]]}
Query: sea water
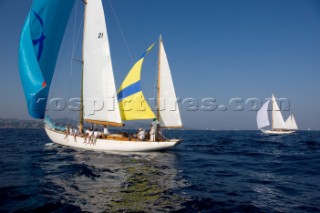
{"points": [[211, 171]]}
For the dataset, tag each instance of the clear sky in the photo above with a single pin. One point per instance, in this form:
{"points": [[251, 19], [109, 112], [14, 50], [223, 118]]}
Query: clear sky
{"points": [[219, 49]]}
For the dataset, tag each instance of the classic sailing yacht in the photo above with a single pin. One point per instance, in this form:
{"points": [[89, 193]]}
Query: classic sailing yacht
{"points": [[278, 126], [37, 59]]}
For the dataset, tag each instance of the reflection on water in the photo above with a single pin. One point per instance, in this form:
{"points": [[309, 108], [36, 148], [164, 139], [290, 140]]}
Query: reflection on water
{"points": [[97, 181]]}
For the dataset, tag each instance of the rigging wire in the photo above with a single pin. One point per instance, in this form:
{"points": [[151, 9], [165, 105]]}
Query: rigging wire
{"points": [[121, 32], [76, 37], [72, 54], [61, 58], [57, 72]]}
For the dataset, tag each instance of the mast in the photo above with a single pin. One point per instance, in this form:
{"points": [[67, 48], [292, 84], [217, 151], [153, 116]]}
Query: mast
{"points": [[272, 112], [81, 84], [158, 87]]}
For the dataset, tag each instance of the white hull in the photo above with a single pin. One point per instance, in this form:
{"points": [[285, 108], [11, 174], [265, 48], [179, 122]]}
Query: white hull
{"points": [[274, 132], [110, 145]]}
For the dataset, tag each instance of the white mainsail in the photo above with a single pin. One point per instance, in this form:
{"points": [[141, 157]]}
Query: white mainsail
{"points": [[262, 116], [99, 90], [168, 106], [277, 119], [291, 123]]}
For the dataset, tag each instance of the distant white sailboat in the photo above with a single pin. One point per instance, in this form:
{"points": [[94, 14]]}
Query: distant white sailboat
{"points": [[278, 125]]}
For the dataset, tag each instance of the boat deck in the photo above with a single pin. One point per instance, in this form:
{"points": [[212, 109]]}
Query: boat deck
{"points": [[120, 136]]}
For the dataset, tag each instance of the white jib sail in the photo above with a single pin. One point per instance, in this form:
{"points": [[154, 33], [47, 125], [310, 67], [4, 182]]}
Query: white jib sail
{"points": [[99, 90], [278, 122], [168, 105], [291, 123], [262, 116]]}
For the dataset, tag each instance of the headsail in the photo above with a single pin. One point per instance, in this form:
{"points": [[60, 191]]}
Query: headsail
{"points": [[133, 105], [168, 107], [291, 123], [40, 42], [99, 90], [262, 116], [277, 122]]}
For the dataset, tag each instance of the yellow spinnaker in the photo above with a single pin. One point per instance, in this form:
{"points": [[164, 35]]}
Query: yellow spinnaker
{"points": [[132, 103]]}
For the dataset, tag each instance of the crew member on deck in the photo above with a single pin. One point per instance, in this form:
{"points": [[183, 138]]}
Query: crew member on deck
{"points": [[96, 135], [80, 130], [67, 132], [141, 134], [154, 129], [75, 134], [87, 135]]}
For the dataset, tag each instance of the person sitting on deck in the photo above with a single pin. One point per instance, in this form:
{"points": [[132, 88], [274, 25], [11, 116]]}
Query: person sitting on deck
{"points": [[96, 134], [67, 132], [88, 134], [80, 128], [141, 134], [91, 136]]}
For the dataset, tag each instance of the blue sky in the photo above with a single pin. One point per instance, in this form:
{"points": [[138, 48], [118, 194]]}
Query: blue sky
{"points": [[220, 49]]}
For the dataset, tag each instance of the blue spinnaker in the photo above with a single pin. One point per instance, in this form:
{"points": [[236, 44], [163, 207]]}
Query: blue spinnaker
{"points": [[40, 42]]}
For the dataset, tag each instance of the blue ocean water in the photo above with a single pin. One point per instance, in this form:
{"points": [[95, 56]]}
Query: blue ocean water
{"points": [[211, 171]]}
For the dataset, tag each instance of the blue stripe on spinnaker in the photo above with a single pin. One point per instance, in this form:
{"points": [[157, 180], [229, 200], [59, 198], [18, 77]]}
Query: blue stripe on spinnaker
{"points": [[130, 90]]}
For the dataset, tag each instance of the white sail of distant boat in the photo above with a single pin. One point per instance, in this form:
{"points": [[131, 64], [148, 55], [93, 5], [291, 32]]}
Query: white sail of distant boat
{"points": [[278, 125], [262, 116], [277, 118], [291, 123], [100, 102]]}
